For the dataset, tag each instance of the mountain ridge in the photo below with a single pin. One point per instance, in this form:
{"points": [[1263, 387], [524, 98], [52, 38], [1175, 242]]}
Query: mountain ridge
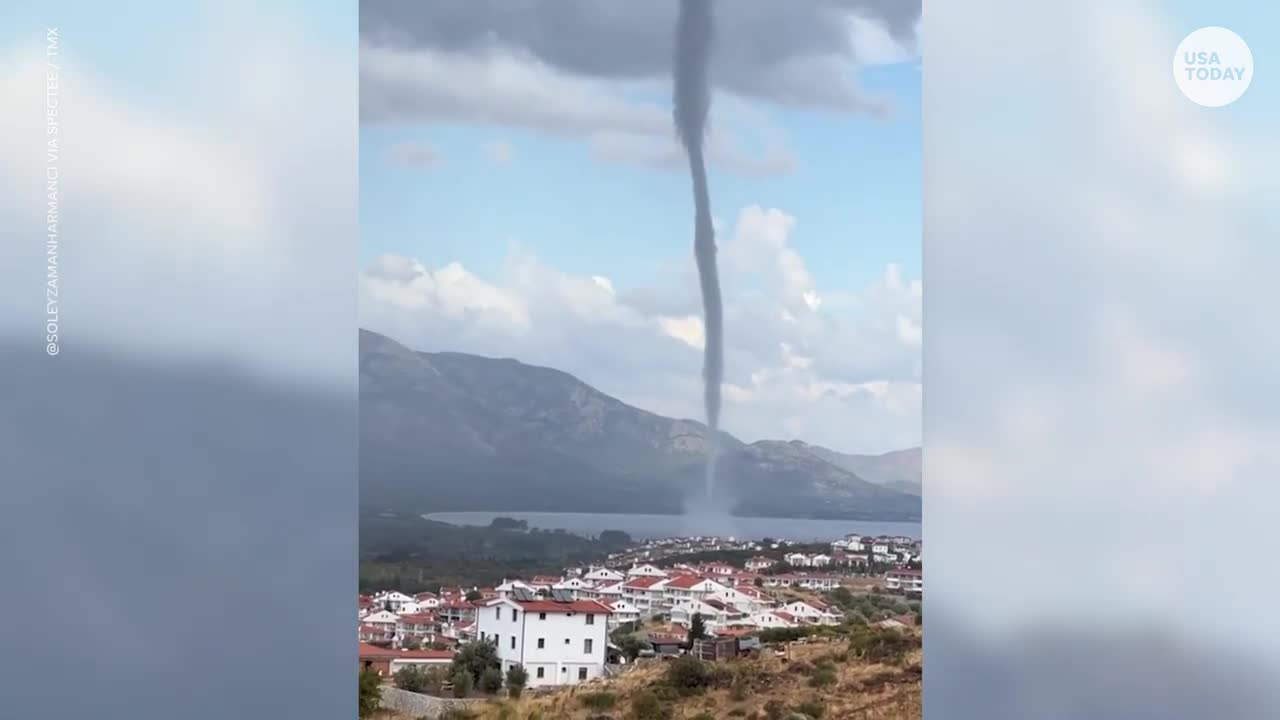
{"points": [[454, 431]]}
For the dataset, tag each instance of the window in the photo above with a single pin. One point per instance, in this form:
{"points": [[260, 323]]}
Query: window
{"points": [[566, 641], [497, 612], [586, 646], [541, 672], [582, 673], [542, 616], [542, 643], [513, 642], [514, 613], [591, 619]]}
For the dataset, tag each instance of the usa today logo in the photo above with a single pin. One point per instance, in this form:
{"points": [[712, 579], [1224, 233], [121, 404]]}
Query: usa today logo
{"points": [[1213, 67]]}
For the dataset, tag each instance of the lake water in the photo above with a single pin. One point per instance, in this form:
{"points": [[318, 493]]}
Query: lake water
{"points": [[662, 526]]}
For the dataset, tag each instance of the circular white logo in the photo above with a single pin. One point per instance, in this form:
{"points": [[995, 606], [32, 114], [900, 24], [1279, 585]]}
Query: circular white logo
{"points": [[1213, 67]]}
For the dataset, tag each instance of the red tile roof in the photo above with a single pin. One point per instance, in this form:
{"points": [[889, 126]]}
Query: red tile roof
{"points": [[642, 582], [684, 582], [373, 652], [550, 606], [418, 619]]}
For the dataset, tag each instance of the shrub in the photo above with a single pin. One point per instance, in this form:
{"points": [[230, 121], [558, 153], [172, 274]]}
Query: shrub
{"points": [[688, 675], [647, 706], [411, 678], [882, 645], [737, 712], [823, 677], [704, 716], [517, 677], [774, 710], [462, 684], [491, 680], [370, 693], [602, 700], [813, 708]]}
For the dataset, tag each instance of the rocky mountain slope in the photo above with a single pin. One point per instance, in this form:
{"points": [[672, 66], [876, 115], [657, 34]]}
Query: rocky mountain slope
{"points": [[450, 431]]}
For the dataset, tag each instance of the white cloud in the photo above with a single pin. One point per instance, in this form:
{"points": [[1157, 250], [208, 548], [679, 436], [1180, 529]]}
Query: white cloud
{"points": [[779, 378]]}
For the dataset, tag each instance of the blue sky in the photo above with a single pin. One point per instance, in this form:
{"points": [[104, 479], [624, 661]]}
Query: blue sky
{"points": [[855, 193], [573, 249]]}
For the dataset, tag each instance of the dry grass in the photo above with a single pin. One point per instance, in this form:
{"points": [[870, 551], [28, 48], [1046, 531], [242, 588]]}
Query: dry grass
{"points": [[860, 691]]}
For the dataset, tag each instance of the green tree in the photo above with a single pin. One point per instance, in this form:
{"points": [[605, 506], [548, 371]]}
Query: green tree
{"points": [[474, 658], [462, 684], [491, 680], [842, 597], [629, 644], [697, 630], [370, 693], [517, 678], [474, 596]]}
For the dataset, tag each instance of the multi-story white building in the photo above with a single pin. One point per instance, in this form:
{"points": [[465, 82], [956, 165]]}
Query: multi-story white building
{"points": [[906, 581], [645, 593], [686, 587], [558, 643]]}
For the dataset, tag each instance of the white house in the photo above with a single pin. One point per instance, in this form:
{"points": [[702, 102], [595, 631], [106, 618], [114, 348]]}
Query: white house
{"points": [[881, 547], [623, 612], [748, 597], [412, 607], [759, 562], [606, 591], [714, 613], [820, 560], [391, 600], [572, 585], [382, 619], [767, 620], [814, 613], [604, 575], [646, 570], [558, 643], [796, 559], [689, 586], [508, 587]]}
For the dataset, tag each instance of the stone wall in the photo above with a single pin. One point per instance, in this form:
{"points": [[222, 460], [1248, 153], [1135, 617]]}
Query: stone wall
{"points": [[415, 704]]}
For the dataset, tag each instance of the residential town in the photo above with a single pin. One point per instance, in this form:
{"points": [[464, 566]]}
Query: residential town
{"points": [[561, 629]]}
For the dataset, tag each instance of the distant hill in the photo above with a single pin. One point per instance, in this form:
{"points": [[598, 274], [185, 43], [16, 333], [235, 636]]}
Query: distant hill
{"points": [[900, 470], [450, 431]]}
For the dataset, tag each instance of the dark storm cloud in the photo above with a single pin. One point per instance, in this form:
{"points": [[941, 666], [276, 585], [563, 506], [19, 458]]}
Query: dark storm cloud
{"points": [[793, 52]]}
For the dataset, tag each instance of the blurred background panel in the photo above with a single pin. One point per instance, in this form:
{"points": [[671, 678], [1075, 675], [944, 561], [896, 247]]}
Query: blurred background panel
{"points": [[1100, 427], [178, 222]]}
